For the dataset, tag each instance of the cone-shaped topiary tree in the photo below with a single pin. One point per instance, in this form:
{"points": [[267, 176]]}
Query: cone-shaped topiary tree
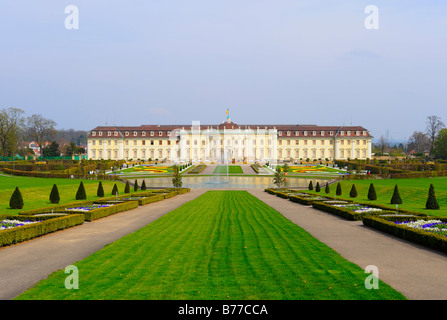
{"points": [[80, 194], [372, 192], [311, 186], [431, 203], [16, 201], [127, 187], [395, 199], [143, 185], [353, 192], [135, 185], [100, 191], [327, 189], [115, 190], [338, 192], [317, 187], [54, 194]]}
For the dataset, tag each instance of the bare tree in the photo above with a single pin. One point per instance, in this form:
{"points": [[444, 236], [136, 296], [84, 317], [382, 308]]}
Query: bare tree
{"points": [[418, 142], [40, 129], [11, 124], [434, 124]]}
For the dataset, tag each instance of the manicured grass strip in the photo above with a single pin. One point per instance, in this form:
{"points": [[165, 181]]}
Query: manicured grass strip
{"points": [[231, 169], [222, 245]]}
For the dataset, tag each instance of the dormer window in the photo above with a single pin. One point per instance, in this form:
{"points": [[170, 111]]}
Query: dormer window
{"points": [[349, 133], [135, 133], [305, 133], [297, 133], [126, 133], [160, 133], [322, 133], [93, 133], [364, 133], [331, 133], [342, 133], [280, 133], [109, 133], [143, 133], [115, 133], [152, 133], [288, 133], [100, 133], [314, 133]]}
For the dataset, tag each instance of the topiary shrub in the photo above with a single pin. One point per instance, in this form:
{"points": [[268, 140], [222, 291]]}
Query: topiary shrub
{"points": [[115, 190], [431, 203], [100, 191], [327, 189], [395, 199], [338, 192], [16, 201], [143, 185], [80, 194], [317, 187], [372, 192], [127, 187], [353, 192], [135, 185], [54, 194], [311, 186]]}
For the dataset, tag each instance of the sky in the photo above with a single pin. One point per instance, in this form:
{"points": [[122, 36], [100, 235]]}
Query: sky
{"points": [[133, 62]]}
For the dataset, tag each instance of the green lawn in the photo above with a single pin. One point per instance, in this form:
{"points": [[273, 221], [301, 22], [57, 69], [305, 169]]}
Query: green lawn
{"points": [[36, 191], [231, 169], [223, 245], [414, 192]]}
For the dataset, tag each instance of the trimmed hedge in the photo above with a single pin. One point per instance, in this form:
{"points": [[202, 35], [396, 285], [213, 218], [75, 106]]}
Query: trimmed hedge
{"points": [[104, 212], [197, 169], [430, 240], [28, 232], [351, 215]]}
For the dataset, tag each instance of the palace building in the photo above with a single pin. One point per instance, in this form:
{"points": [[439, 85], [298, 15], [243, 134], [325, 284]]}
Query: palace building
{"points": [[228, 141]]}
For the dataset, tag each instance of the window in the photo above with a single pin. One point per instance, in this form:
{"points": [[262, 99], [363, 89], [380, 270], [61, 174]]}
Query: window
{"points": [[126, 142], [160, 133], [152, 142], [305, 142], [280, 133], [364, 133], [297, 133], [349, 133], [288, 142], [143, 142], [115, 133], [331, 133], [160, 142], [109, 133], [93, 133], [126, 133], [288, 133], [280, 142], [305, 133], [297, 142], [152, 133], [314, 133], [314, 142], [322, 133], [169, 142], [100, 133], [143, 133], [135, 133], [187, 142], [135, 142], [342, 133]]}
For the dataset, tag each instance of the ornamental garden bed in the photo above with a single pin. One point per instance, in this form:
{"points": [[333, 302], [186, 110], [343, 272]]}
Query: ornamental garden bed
{"points": [[100, 209], [358, 211], [197, 169], [427, 231], [15, 229]]}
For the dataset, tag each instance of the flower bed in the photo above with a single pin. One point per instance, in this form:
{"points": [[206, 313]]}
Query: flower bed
{"points": [[12, 223], [90, 207], [36, 227], [420, 230]]}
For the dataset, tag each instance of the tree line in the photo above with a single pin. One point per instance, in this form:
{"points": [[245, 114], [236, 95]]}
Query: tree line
{"points": [[16, 128], [432, 141]]}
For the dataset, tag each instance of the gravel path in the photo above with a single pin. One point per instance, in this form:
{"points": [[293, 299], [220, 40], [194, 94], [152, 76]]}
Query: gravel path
{"points": [[415, 271]]}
